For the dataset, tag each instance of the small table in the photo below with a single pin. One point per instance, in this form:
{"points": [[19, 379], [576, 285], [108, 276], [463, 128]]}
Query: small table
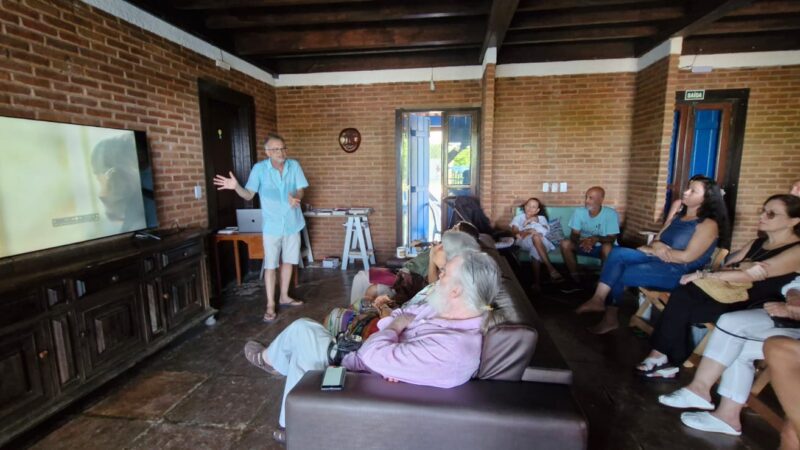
{"points": [[357, 236], [255, 250]]}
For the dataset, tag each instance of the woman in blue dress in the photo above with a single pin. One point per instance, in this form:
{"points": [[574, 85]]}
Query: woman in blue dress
{"points": [[685, 244]]}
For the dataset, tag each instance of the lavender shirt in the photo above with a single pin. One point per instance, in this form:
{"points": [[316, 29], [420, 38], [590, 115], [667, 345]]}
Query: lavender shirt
{"points": [[430, 351]]}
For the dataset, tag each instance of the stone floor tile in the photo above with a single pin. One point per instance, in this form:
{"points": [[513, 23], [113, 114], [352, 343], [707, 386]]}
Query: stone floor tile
{"points": [[90, 433], [225, 401], [168, 436]]}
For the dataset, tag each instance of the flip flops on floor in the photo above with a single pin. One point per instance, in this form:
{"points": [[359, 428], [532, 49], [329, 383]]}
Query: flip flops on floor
{"points": [[658, 367]]}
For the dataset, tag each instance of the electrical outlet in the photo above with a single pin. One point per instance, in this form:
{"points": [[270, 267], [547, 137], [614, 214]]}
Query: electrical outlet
{"points": [[198, 192], [563, 186], [553, 187], [545, 187]]}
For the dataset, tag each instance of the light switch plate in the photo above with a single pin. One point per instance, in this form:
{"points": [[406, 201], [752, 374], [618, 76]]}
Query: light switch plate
{"points": [[545, 187], [198, 192], [554, 187], [563, 186]]}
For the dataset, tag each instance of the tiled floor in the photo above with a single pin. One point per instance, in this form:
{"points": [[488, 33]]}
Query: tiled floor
{"points": [[200, 392]]}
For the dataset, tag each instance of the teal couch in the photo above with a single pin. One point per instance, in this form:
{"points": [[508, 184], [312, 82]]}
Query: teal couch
{"points": [[563, 214]]}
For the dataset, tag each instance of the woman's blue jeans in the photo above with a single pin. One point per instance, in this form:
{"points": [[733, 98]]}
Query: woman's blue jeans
{"points": [[626, 267]]}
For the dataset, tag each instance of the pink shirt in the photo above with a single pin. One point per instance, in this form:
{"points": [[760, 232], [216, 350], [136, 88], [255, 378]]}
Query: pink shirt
{"points": [[430, 351]]}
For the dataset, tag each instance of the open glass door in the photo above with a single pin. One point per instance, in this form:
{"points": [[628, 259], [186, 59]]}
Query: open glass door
{"points": [[437, 157]]}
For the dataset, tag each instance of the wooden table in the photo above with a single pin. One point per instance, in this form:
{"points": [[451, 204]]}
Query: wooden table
{"points": [[255, 250]]}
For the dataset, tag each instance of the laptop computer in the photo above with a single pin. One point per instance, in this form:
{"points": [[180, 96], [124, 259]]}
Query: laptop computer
{"points": [[249, 220]]}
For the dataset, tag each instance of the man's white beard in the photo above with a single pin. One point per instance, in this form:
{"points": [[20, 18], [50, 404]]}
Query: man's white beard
{"points": [[436, 300]]}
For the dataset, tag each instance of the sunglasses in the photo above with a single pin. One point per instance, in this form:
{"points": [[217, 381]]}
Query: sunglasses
{"points": [[770, 214]]}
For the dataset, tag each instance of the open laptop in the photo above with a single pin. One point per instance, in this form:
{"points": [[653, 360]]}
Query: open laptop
{"points": [[249, 220]]}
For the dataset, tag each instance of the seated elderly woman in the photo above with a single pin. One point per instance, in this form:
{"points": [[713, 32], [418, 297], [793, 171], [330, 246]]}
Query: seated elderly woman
{"points": [[530, 228], [729, 357], [413, 276], [362, 317], [437, 343], [684, 244], [778, 249]]}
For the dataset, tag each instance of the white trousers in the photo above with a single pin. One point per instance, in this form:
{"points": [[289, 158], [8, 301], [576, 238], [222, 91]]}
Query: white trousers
{"points": [[736, 343], [526, 244], [301, 347], [360, 285]]}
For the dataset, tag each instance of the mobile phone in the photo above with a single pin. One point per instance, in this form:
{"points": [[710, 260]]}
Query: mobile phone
{"points": [[333, 380]]}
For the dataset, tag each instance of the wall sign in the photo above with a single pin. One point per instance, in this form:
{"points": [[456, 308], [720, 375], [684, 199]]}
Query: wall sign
{"points": [[349, 140], [695, 95]]}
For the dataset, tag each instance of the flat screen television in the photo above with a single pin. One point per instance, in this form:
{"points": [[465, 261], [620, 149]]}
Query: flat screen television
{"points": [[62, 184]]}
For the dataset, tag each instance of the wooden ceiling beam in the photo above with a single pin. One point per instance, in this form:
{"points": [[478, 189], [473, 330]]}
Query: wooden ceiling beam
{"points": [[768, 7], [338, 63], [787, 40], [754, 25], [358, 13], [500, 16], [702, 14], [565, 51], [360, 38], [227, 4], [549, 5], [594, 17], [580, 34]]}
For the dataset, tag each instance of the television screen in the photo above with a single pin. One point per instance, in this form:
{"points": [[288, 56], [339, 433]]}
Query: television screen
{"points": [[63, 183]]}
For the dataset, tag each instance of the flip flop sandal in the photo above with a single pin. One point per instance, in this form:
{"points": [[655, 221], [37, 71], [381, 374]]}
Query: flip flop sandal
{"points": [[269, 318], [292, 303], [664, 371], [253, 352], [650, 362]]}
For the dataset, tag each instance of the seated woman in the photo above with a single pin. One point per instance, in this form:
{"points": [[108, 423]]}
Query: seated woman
{"points": [[413, 276], [683, 245], [362, 318], [689, 304], [734, 346], [530, 229]]}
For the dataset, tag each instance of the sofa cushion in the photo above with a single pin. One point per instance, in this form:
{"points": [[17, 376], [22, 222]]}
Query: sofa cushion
{"points": [[556, 233]]}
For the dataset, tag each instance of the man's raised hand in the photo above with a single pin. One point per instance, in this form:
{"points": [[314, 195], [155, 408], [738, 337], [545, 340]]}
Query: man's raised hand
{"points": [[225, 183]]}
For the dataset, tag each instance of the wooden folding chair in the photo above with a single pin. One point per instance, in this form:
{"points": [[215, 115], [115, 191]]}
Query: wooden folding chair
{"points": [[649, 299]]}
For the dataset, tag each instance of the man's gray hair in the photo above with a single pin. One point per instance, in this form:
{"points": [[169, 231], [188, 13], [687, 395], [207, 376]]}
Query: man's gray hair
{"points": [[457, 243], [479, 277]]}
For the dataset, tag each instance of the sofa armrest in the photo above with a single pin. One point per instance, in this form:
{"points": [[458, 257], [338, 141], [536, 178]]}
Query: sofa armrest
{"points": [[371, 412]]}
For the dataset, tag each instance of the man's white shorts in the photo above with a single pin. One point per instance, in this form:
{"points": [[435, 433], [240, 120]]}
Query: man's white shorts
{"points": [[281, 248]]}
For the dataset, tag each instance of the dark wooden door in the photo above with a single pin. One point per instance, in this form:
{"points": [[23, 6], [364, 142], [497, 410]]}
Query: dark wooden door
{"points": [[218, 145], [23, 370], [182, 293]]}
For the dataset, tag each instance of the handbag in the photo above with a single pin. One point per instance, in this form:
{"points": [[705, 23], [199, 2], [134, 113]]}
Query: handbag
{"points": [[724, 291]]}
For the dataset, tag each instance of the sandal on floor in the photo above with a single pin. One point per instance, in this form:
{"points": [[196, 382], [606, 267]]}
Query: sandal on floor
{"points": [[650, 362], [279, 436], [253, 351], [292, 303], [556, 277], [269, 317], [684, 398], [704, 421]]}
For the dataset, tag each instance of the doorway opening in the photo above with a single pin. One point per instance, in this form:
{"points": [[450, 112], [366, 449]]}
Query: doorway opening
{"points": [[437, 157], [707, 139]]}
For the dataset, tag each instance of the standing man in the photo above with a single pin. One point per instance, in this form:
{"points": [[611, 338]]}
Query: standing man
{"points": [[594, 231], [280, 184]]}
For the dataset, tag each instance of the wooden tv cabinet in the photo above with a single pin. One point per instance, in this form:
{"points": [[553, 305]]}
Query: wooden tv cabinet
{"points": [[74, 317]]}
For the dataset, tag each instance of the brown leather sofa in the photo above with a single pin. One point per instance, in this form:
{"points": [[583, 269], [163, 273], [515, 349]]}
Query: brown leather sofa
{"points": [[520, 399]]}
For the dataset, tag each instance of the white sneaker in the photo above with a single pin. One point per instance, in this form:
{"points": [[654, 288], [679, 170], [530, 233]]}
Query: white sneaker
{"points": [[684, 398]]}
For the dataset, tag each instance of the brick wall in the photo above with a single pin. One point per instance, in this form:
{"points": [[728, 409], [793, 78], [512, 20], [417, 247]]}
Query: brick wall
{"points": [[488, 92], [65, 61], [310, 118], [652, 130], [574, 128], [771, 152]]}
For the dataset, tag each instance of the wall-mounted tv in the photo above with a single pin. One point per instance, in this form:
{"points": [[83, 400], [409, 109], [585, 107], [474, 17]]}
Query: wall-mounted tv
{"points": [[62, 183]]}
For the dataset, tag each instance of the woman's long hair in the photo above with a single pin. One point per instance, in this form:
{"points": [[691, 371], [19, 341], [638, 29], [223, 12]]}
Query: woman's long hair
{"points": [[713, 206]]}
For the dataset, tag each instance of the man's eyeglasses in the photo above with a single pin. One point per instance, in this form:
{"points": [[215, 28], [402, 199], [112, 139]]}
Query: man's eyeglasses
{"points": [[277, 149], [770, 214]]}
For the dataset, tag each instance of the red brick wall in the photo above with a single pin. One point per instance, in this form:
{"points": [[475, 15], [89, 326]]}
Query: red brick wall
{"points": [[771, 153], [65, 61], [652, 130], [488, 92], [574, 128], [310, 118]]}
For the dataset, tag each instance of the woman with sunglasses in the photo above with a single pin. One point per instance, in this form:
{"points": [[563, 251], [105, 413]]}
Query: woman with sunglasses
{"points": [[777, 248]]}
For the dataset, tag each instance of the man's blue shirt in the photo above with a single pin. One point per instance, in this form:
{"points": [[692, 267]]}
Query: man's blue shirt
{"points": [[273, 190], [604, 224]]}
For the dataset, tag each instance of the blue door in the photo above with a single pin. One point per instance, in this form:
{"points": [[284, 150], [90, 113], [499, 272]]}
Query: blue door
{"points": [[706, 143], [419, 157]]}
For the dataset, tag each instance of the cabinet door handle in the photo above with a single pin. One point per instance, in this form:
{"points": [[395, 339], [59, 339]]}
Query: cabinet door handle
{"points": [[43, 354], [114, 278], [82, 334], [165, 296]]}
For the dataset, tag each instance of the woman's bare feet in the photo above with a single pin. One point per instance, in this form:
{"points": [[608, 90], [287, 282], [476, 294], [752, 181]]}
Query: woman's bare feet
{"points": [[594, 304]]}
